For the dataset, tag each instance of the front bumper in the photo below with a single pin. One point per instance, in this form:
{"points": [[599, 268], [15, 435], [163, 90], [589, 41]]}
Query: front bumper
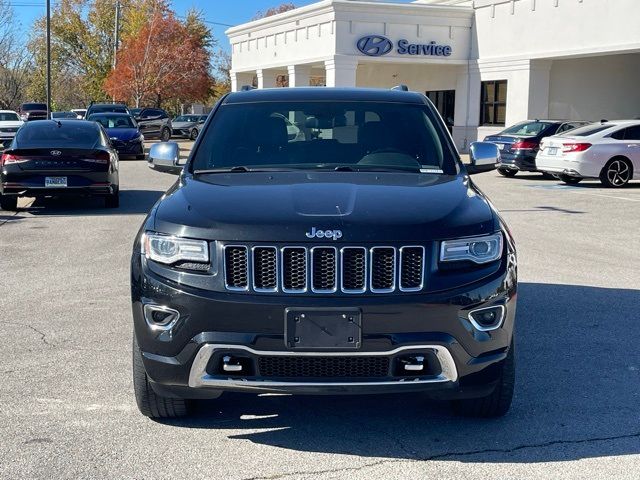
{"points": [[185, 361]]}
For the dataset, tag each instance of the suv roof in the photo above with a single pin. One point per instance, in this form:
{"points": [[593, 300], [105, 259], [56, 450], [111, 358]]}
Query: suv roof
{"points": [[323, 94]]}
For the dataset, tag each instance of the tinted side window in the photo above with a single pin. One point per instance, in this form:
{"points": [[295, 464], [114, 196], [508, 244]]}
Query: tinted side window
{"points": [[632, 133], [619, 135]]}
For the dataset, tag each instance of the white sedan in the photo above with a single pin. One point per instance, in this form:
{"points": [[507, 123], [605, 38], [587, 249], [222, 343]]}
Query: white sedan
{"points": [[9, 124], [609, 150]]}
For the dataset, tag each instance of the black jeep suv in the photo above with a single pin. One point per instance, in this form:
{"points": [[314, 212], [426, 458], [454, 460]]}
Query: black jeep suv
{"points": [[356, 256]]}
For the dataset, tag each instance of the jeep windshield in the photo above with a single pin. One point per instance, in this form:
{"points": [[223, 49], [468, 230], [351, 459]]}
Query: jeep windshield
{"points": [[321, 135]]}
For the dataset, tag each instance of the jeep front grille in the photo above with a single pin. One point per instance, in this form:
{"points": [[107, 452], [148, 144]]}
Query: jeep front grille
{"points": [[324, 269]]}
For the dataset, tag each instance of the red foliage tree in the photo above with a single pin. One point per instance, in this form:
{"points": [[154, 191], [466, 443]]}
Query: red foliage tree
{"points": [[163, 61]]}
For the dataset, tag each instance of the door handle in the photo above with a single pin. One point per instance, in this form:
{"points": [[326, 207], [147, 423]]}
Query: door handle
{"points": [[634, 145]]}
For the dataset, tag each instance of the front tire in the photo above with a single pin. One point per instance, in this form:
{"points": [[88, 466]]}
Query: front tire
{"points": [[616, 173], [498, 402], [165, 135], [570, 180], [194, 134], [507, 172], [9, 204], [149, 402]]}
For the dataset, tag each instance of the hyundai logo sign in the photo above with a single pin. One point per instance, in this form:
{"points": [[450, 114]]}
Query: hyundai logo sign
{"points": [[375, 45], [378, 45]]}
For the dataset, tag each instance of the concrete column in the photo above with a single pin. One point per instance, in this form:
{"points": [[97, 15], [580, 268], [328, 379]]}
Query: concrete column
{"points": [[467, 108], [239, 79], [267, 78], [539, 85], [299, 75], [341, 71]]}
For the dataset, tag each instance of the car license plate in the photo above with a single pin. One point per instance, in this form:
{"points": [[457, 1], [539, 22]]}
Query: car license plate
{"points": [[500, 146], [56, 182], [552, 150], [323, 328]]}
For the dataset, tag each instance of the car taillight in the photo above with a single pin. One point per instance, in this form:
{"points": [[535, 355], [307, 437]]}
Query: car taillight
{"points": [[575, 147], [10, 158], [102, 158], [524, 145]]}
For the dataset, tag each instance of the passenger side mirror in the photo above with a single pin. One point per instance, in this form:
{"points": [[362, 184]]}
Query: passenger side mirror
{"points": [[165, 157], [484, 157]]}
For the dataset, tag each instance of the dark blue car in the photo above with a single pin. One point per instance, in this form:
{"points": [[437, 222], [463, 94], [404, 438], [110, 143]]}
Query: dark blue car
{"points": [[123, 132]]}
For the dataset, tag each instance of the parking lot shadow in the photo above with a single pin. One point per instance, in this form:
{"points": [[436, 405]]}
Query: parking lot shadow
{"points": [[131, 202], [578, 384]]}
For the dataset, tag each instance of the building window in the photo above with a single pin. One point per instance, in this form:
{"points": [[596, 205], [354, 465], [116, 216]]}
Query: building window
{"points": [[493, 103]]}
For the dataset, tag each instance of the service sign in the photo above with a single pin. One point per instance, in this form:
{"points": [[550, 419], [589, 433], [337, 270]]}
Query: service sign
{"points": [[379, 45]]}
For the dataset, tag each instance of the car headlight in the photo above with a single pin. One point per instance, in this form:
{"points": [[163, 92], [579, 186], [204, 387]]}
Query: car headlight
{"points": [[483, 249], [168, 249]]}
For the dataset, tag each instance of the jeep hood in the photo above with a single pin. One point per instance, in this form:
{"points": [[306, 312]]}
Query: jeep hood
{"points": [[282, 207]]}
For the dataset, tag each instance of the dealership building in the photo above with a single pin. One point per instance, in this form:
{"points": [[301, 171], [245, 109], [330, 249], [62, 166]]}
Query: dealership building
{"points": [[484, 63]]}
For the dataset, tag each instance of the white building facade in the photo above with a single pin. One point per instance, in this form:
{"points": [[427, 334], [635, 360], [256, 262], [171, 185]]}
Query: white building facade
{"points": [[484, 63]]}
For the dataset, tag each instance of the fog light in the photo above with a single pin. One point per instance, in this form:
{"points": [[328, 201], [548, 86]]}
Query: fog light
{"points": [[489, 318], [160, 318]]}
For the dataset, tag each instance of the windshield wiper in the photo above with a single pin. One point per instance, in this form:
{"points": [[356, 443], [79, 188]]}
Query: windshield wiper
{"points": [[374, 168], [239, 169]]}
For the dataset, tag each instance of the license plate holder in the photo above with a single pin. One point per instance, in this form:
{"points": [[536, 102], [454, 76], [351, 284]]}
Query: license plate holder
{"points": [[55, 182], [552, 150], [323, 328]]}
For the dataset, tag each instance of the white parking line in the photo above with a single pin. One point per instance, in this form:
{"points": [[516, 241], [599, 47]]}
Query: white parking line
{"points": [[581, 191]]}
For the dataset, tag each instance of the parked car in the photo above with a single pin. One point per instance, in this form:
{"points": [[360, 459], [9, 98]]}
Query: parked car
{"points": [[609, 151], [9, 124], [123, 132], [188, 126], [311, 266], [55, 158], [59, 115], [520, 143], [80, 112], [154, 123], [33, 111], [135, 112], [106, 108]]}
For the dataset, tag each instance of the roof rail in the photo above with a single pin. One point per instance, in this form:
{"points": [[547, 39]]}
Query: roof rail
{"points": [[246, 88], [401, 87]]}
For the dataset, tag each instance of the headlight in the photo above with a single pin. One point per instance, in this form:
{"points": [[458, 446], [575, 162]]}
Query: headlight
{"points": [[476, 249], [168, 250]]}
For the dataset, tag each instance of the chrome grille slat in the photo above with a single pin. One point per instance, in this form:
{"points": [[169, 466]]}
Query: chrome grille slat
{"points": [[294, 271], [412, 261], [324, 269], [265, 269], [382, 270], [236, 268]]}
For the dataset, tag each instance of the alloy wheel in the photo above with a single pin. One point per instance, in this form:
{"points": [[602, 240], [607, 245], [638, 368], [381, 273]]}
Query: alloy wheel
{"points": [[618, 173]]}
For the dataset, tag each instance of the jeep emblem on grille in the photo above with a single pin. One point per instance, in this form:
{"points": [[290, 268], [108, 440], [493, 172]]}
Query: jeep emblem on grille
{"points": [[315, 233]]}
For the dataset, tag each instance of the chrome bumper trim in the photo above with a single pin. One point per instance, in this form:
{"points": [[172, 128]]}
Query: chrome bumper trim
{"points": [[198, 376]]}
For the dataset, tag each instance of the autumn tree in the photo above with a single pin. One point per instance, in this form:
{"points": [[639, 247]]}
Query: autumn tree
{"points": [[164, 61], [283, 7], [15, 61], [82, 46]]}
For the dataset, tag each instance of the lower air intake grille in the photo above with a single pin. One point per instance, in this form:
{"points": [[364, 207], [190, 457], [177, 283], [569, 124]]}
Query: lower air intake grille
{"points": [[337, 367]]}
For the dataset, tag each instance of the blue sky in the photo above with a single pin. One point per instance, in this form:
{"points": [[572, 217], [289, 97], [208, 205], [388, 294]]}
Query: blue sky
{"points": [[232, 12]]}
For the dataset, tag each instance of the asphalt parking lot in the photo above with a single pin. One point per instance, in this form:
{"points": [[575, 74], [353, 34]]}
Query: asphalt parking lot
{"points": [[65, 352]]}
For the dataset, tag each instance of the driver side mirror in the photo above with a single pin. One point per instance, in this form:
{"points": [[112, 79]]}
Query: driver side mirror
{"points": [[165, 157], [484, 157]]}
